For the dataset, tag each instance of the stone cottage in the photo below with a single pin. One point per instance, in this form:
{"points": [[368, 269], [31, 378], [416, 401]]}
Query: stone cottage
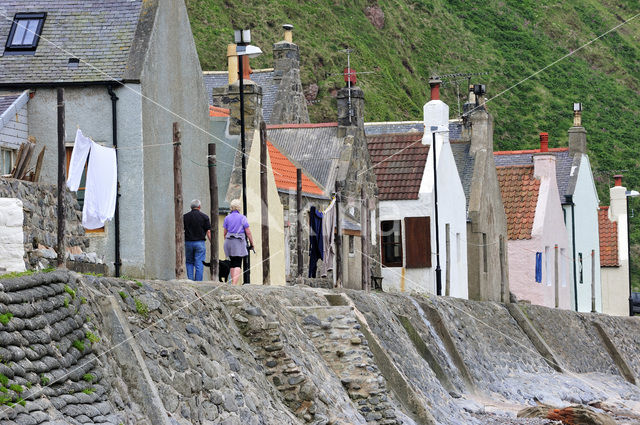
{"points": [[129, 70], [336, 157], [539, 256], [225, 130], [579, 199], [404, 172], [614, 251], [471, 142]]}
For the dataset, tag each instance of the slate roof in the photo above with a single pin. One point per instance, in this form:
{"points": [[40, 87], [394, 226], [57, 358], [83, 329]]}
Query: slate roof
{"points": [[398, 127], [262, 77], [464, 163], [398, 161], [100, 33], [608, 239], [284, 172], [519, 190], [564, 165], [10, 105], [6, 101], [225, 158], [316, 147]]}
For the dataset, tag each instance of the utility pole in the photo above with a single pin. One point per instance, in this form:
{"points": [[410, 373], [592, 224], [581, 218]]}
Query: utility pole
{"points": [[266, 266], [61, 178], [338, 240], [213, 196], [177, 197], [299, 219]]}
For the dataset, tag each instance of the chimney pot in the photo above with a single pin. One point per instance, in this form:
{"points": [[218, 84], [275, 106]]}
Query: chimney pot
{"points": [[350, 76], [618, 179], [577, 114], [544, 142], [288, 33], [434, 82]]}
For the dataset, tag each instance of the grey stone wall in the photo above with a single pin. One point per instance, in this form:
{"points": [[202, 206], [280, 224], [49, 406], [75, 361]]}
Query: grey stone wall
{"points": [[202, 353], [486, 216], [355, 170], [290, 106], [50, 372], [40, 203]]}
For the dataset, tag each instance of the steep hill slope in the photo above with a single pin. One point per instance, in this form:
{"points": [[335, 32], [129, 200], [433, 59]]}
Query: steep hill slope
{"points": [[509, 40]]}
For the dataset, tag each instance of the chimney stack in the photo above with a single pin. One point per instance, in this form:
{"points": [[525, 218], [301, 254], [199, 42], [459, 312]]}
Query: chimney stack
{"points": [[435, 82], [288, 33], [544, 142], [618, 179], [577, 133]]}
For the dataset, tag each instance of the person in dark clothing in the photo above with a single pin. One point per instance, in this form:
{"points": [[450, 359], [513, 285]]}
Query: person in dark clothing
{"points": [[197, 228], [315, 240]]}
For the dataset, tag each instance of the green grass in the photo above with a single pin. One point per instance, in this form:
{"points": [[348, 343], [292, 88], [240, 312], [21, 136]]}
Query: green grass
{"points": [[507, 39], [88, 377], [5, 318], [26, 273], [70, 291], [123, 295], [79, 344], [92, 337], [89, 390], [141, 307]]}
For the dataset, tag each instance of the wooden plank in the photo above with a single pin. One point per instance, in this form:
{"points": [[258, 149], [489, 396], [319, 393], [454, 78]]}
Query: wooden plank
{"points": [[36, 175], [27, 158], [19, 159]]}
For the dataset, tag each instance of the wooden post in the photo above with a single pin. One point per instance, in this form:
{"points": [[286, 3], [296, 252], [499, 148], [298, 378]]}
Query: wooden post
{"points": [[266, 267], [299, 220], [61, 178], [556, 274], [338, 242], [364, 241], [177, 197], [213, 196], [593, 281]]}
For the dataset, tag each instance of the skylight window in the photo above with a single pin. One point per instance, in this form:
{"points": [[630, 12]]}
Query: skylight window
{"points": [[25, 33]]}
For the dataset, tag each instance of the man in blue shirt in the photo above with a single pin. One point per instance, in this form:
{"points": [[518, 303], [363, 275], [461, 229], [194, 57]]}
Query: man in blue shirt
{"points": [[197, 228]]}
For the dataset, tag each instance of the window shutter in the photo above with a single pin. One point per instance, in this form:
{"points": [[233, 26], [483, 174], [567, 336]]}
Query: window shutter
{"points": [[418, 242]]}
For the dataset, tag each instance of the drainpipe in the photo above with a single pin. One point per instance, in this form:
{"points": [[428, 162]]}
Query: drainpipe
{"points": [[116, 218], [573, 242]]}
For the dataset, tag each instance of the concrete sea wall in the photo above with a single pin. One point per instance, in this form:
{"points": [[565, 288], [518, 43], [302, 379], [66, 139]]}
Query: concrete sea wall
{"points": [[86, 349]]}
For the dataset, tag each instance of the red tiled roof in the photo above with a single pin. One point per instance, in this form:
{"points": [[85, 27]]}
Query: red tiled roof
{"points": [[318, 125], [519, 190], [529, 151], [215, 111], [285, 173], [608, 239], [398, 161]]}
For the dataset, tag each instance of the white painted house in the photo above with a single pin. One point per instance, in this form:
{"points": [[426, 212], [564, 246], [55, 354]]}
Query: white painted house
{"points": [[404, 172], [614, 245]]}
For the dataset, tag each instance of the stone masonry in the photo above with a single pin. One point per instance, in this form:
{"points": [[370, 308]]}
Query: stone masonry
{"points": [[40, 204]]}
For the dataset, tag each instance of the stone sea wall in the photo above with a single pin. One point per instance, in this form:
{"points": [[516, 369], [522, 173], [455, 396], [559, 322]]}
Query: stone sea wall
{"points": [[151, 352], [40, 204]]}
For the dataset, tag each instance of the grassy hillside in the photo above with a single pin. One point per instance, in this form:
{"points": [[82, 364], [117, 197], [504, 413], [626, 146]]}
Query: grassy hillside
{"points": [[509, 40]]}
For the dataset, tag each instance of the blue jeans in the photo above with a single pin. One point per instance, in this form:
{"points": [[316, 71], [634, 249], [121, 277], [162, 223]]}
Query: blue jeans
{"points": [[195, 255]]}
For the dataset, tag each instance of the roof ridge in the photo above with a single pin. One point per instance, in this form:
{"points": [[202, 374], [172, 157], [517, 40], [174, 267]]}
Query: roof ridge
{"points": [[253, 71], [303, 125], [560, 149], [515, 166]]}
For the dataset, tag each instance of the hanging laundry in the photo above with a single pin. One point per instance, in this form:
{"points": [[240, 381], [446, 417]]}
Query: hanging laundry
{"points": [[81, 149], [101, 182], [328, 234], [315, 240], [102, 185]]}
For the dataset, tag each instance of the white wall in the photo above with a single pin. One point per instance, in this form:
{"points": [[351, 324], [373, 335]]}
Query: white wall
{"points": [[14, 124], [11, 235], [615, 280], [451, 210], [587, 238]]}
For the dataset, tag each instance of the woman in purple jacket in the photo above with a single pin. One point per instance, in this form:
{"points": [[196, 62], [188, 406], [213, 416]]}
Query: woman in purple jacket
{"points": [[236, 232]]}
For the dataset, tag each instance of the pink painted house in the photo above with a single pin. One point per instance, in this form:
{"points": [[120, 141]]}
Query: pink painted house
{"points": [[538, 242]]}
